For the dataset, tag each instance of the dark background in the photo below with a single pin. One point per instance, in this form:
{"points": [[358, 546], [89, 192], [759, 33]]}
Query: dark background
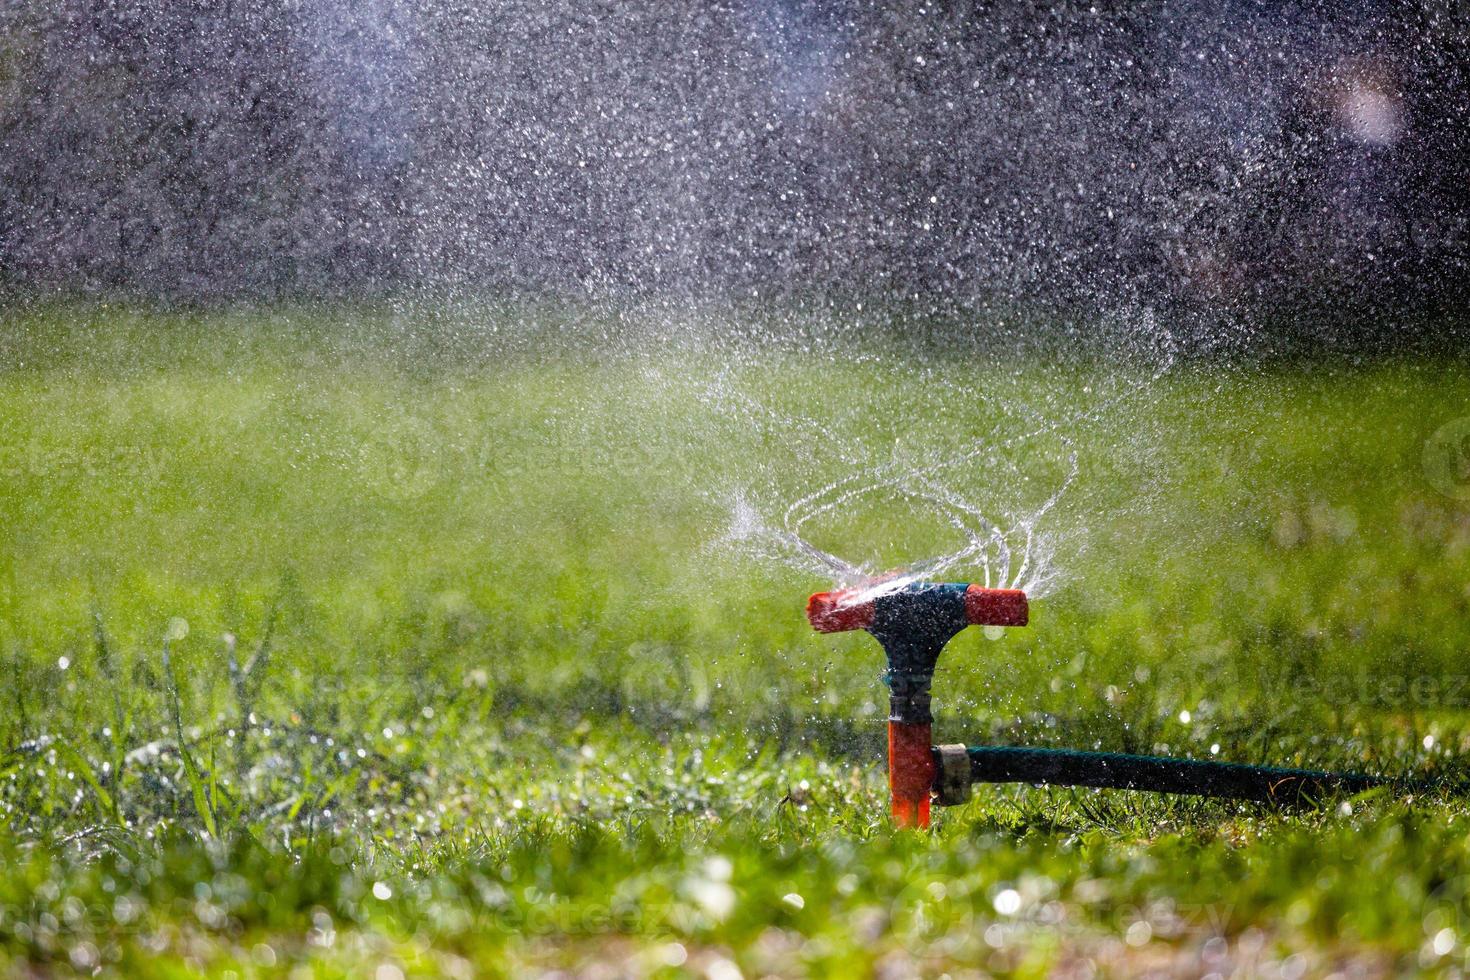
{"points": [[1289, 159]]}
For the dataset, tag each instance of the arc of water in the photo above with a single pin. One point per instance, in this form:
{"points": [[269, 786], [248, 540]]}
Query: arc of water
{"points": [[989, 532], [823, 500], [1029, 524]]}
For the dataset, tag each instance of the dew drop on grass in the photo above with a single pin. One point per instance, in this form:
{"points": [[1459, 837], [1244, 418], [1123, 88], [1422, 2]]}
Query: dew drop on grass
{"points": [[719, 868], [1008, 902]]}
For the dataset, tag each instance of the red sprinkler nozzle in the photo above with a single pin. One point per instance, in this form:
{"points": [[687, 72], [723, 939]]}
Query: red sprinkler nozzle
{"points": [[996, 607], [831, 612], [914, 623]]}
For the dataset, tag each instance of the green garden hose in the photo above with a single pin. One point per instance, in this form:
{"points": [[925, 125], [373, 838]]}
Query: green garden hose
{"points": [[1112, 770]]}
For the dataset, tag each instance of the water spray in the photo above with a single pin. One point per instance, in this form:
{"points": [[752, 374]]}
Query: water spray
{"points": [[915, 620]]}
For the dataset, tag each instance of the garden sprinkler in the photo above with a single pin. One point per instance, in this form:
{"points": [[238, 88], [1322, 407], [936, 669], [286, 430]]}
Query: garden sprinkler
{"points": [[916, 620], [914, 623]]}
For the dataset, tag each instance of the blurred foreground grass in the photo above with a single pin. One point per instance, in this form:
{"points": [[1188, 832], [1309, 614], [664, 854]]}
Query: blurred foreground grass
{"points": [[348, 640]]}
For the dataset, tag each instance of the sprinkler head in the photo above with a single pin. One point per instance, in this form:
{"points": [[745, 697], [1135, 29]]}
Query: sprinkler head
{"points": [[914, 623]]}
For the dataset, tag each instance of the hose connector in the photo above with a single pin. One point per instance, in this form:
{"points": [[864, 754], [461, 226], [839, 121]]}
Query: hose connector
{"points": [[952, 784]]}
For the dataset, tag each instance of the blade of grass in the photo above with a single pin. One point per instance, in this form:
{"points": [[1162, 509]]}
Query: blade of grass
{"points": [[106, 800], [116, 734], [197, 788]]}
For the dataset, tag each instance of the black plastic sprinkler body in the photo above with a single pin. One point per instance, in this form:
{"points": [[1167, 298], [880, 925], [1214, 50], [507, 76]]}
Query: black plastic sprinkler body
{"points": [[915, 621]]}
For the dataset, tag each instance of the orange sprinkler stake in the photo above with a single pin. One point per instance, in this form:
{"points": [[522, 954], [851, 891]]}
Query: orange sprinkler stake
{"points": [[910, 772], [914, 623]]}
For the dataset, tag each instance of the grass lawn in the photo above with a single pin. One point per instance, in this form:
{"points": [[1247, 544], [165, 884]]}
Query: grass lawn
{"points": [[360, 641]]}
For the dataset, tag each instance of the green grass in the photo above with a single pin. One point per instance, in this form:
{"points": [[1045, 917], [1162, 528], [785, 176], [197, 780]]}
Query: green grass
{"points": [[460, 677]]}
